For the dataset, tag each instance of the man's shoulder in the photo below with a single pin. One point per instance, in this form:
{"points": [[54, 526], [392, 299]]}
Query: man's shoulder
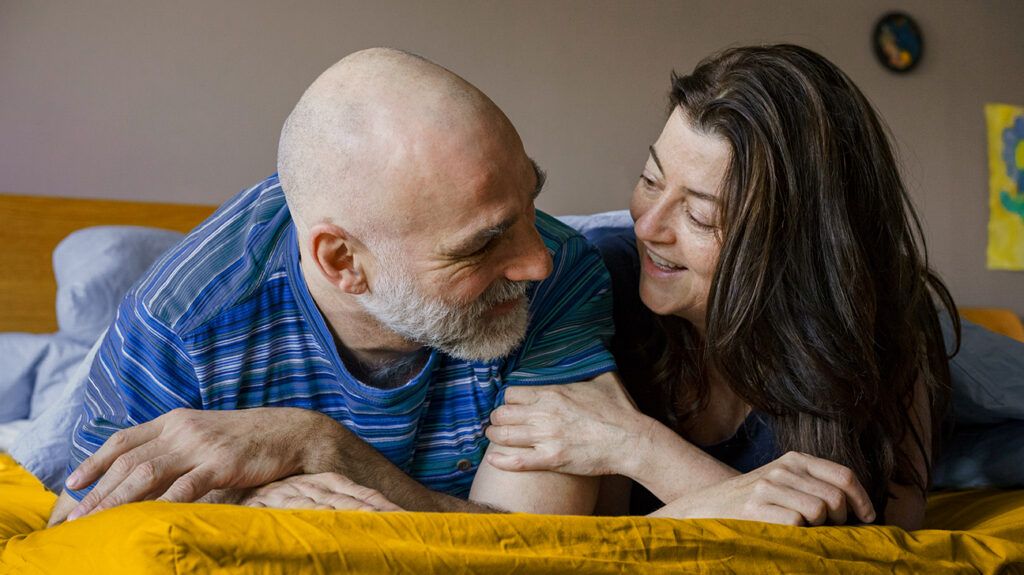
{"points": [[223, 261]]}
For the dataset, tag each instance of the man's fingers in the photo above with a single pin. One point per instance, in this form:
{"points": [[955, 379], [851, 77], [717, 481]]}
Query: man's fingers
{"points": [[343, 502], [512, 435], [326, 485], [190, 487], [122, 467], [148, 480], [118, 444]]}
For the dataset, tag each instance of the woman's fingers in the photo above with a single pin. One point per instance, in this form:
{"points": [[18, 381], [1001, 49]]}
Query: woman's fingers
{"points": [[780, 516], [512, 435], [522, 394], [514, 414], [832, 496], [843, 478], [518, 459], [813, 510]]}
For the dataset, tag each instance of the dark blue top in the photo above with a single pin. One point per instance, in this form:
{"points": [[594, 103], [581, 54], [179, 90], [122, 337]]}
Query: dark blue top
{"points": [[752, 445]]}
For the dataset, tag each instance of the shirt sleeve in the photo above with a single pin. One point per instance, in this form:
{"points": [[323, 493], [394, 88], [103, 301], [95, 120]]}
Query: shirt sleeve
{"points": [[570, 316], [142, 370]]}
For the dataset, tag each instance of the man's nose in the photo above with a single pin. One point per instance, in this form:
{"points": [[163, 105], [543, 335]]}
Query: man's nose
{"points": [[533, 263]]}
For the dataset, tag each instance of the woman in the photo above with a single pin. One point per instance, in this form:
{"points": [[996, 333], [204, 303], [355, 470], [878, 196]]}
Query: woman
{"points": [[786, 308]]}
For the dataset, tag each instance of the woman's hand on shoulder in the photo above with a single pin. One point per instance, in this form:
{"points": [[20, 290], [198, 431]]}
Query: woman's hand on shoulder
{"points": [[588, 428], [795, 489]]}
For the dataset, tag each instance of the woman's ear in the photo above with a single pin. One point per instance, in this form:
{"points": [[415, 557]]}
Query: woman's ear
{"points": [[337, 255]]}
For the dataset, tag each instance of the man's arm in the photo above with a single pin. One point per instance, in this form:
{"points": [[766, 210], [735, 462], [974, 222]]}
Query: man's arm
{"points": [[534, 491], [493, 490], [216, 456]]}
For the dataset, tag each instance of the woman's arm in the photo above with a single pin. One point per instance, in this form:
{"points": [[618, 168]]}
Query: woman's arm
{"points": [[906, 505], [593, 428], [795, 489]]}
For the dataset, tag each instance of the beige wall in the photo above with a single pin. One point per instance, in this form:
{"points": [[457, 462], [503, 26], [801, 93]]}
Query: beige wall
{"points": [[182, 101]]}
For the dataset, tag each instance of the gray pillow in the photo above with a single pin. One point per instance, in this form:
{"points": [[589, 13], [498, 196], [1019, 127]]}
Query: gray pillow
{"points": [[44, 445], [988, 376], [94, 269], [17, 378]]}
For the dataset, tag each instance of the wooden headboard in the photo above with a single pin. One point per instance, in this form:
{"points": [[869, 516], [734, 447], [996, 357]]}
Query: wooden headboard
{"points": [[30, 227]]}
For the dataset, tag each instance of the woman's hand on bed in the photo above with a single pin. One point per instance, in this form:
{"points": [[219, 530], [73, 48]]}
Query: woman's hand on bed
{"points": [[185, 454], [319, 491], [587, 428], [795, 489]]}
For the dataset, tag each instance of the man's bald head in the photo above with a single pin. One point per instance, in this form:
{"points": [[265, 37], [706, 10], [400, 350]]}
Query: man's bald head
{"points": [[373, 113]]}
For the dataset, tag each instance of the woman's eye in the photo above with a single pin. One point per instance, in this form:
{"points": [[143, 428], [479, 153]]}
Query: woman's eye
{"points": [[647, 181], [698, 222]]}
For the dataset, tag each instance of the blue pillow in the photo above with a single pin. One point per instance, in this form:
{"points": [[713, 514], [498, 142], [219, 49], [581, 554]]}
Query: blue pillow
{"points": [[22, 353], [94, 269], [44, 445]]}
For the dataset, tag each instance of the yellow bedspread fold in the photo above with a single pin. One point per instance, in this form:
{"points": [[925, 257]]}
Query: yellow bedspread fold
{"points": [[969, 532]]}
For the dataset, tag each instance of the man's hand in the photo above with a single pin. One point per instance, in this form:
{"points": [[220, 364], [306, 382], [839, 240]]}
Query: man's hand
{"points": [[319, 491], [184, 454], [795, 489]]}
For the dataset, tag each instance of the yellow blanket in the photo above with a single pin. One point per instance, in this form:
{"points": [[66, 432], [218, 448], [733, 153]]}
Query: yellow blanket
{"points": [[969, 532]]}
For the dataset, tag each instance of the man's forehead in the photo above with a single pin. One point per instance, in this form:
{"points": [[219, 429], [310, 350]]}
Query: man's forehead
{"points": [[495, 217]]}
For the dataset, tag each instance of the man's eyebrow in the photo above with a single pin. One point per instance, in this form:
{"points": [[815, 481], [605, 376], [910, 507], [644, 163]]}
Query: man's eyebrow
{"points": [[487, 234], [542, 177], [480, 238], [699, 194]]}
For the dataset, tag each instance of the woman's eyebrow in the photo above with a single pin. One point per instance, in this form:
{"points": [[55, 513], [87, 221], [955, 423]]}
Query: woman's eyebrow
{"points": [[654, 156], [697, 193]]}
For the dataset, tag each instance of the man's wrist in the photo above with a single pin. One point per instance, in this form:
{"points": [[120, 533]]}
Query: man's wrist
{"points": [[319, 451]]}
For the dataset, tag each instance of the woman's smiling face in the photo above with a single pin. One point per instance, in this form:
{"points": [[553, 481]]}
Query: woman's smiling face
{"points": [[676, 208]]}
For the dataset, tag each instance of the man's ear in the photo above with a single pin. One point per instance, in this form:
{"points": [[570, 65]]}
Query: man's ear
{"points": [[338, 257]]}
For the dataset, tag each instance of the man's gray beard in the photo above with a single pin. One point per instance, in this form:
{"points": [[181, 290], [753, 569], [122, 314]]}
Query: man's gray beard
{"points": [[461, 331]]}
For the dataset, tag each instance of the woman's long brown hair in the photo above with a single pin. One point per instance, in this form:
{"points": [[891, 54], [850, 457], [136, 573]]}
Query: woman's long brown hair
{"points": [[821, 311]]}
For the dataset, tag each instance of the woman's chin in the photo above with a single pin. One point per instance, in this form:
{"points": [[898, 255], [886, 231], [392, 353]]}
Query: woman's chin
{"points": [[659, 304], [656, 302]]}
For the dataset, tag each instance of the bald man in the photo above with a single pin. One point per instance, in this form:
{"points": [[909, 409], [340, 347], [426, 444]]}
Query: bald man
{"points": [[337, 335]]}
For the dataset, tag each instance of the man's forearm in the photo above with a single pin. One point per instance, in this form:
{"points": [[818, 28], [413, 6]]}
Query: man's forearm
{"points": [[341, 451]]}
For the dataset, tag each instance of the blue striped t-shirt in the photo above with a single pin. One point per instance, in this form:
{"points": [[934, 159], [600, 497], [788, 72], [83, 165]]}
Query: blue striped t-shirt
{"points": [[225, 321]]}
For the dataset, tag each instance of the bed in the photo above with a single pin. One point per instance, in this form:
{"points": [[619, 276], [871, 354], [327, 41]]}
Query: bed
{"points": [[974, 531]]}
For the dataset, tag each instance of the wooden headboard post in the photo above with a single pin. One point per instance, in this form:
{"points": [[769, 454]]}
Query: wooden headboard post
{"points": [[31, 226]]}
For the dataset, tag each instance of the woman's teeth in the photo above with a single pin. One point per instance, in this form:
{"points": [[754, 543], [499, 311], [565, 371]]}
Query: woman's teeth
{"points": [[661, 263]]}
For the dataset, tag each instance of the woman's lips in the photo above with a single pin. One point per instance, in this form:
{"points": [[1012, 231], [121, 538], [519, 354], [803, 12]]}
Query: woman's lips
{"points": [[657, 270]]}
